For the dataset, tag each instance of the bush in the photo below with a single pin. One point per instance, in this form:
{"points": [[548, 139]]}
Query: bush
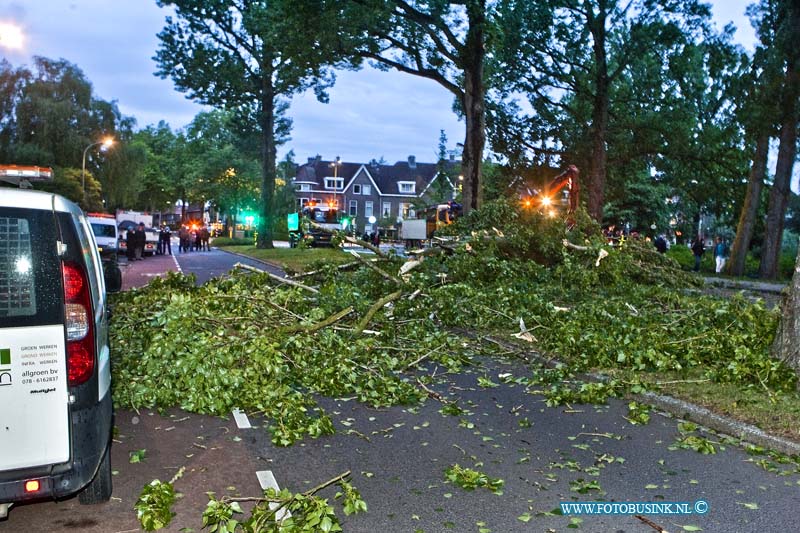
{"points": [[227, 241]]}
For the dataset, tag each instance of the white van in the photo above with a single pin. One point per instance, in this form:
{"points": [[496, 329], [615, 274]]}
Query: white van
{"points": [[105, 233], [55, 369]]}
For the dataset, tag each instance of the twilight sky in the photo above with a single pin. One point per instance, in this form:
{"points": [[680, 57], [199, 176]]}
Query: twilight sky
{"points": [[370, 114]]}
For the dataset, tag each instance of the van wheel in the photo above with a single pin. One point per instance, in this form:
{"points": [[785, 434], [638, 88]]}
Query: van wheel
{"points": [[99, 489]]}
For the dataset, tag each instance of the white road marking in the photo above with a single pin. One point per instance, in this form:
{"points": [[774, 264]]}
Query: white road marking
{"points": [[267, 481], [242, 422], [177, 265]]}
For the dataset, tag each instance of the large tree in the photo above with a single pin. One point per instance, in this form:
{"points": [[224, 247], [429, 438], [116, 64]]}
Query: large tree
{"points": [[246, 56], [49, 116], [781, 28], [588, 69], [440, 40]]}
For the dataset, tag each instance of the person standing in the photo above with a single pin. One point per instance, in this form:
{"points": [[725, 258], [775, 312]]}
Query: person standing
{"points": [[661, 244], [130, 244], [183, 236], [205, 238], [165, 239], [698, 249], [720, 254], [140, 238]]}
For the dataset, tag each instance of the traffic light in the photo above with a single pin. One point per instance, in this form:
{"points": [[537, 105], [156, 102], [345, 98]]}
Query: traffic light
{"points": [[345, 221]]}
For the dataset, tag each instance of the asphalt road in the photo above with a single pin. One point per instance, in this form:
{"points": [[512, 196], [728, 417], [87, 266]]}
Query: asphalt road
{"points": [[398, 456]]}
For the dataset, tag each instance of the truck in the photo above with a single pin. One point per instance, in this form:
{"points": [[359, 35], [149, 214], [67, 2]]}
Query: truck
{"points": [[126, 219], [129, 220], [322, 216], [415, 231]]}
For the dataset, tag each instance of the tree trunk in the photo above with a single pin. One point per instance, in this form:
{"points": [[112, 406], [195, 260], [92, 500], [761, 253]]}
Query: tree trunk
{"points": [[599, 156], [786, 346], [752, 201], [474, 106], [268, 159], [779, 194]]}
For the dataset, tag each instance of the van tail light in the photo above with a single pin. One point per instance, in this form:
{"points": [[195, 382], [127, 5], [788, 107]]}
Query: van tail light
{"points": [[79, 322]]}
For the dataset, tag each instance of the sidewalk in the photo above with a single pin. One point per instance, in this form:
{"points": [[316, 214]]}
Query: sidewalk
{"points": [[139, 273]]}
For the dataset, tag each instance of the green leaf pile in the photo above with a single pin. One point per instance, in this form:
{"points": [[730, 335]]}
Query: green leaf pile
{"points": [[248, 342]]}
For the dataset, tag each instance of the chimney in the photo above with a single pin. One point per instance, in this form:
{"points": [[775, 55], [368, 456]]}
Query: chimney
{"points": [[412, 161]]}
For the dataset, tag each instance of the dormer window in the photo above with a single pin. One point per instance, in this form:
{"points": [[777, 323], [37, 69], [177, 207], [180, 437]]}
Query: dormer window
{"points": [[336, 184], [407, 187]]}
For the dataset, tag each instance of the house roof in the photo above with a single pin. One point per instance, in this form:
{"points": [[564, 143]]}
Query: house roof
{"points": [[385, 177]]}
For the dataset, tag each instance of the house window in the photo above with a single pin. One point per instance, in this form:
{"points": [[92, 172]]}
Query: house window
{"points": [[366, 190], [301, 203], [356, 189], [368, 209], [334, 183], [406, 187], [386, 210], [304, 187], [407, 211], [353, 208]]}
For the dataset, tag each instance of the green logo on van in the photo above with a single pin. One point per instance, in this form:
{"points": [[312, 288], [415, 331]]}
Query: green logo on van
{"points": [[5, 367]]}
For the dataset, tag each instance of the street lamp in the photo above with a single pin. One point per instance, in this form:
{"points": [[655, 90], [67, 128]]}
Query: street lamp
{"points": [[107, 142], [335, 166], [11, 36]]}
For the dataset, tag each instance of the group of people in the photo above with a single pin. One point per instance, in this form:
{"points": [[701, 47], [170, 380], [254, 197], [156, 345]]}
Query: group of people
{"points": [[373, 238], [135, 241], [194, 239], [721, 253]]}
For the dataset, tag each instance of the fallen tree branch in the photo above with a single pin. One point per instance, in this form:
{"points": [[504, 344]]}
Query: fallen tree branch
{"points": [[319, 325], [376, 269], [422, 358], [651, 524], [309, 492], [431, 393], [365, 244], [276, 278], [343, 267], [347, 238], [374, 309], [572, 246]]}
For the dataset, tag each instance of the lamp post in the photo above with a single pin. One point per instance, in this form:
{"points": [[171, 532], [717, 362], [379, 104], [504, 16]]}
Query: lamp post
{"points": [[107, 142], [335, 166]]}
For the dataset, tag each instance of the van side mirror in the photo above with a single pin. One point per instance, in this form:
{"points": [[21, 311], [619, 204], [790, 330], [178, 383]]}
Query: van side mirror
{"points": [[113, 276]]}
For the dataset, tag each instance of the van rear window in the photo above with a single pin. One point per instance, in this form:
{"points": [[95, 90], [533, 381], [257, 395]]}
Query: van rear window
{"points": [[104, 230], [30, 273]]}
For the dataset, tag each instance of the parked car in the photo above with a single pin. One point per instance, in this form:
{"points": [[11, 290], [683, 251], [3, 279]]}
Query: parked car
{"points": [[55, 374]]}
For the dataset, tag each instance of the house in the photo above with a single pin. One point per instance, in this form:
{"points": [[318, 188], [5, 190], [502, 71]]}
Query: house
{"points": [[373, 192]]}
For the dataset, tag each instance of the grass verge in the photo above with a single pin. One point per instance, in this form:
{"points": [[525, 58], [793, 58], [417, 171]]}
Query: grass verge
{"points": [[291, 259]]}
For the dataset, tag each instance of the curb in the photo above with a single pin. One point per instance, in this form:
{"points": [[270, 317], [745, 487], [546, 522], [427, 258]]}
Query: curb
{"points": [[678, 408], [719, 423], [755, 286]]}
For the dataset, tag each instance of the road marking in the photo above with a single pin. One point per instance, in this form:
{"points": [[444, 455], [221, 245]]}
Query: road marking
{"points": [[177, 265], [267, 481], [242, 422]]}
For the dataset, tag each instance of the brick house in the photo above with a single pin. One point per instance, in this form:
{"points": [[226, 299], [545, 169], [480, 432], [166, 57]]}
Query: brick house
{"points": [[364, 190]]}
